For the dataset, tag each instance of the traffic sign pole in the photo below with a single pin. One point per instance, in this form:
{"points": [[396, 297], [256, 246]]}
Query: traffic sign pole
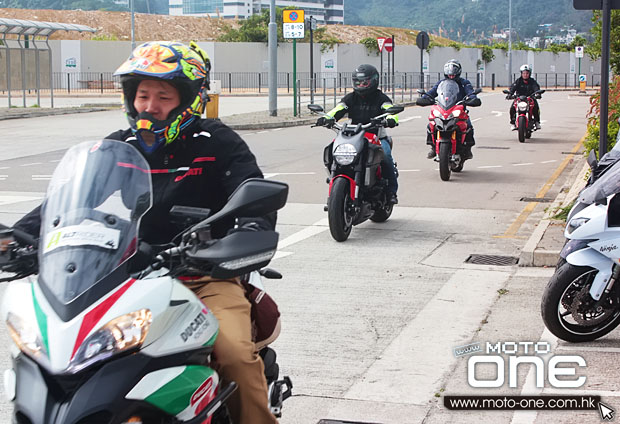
{"points": [[294, 77]]}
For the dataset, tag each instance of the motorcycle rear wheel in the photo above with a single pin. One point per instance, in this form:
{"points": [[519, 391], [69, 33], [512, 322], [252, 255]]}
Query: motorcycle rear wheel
{"points": [[340, 223], [445, 150], [522, 129], [567, 295], [382, 215]]}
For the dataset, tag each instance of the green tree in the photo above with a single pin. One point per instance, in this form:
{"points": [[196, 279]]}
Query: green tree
{"points": [[595, 48], [254, 29]]}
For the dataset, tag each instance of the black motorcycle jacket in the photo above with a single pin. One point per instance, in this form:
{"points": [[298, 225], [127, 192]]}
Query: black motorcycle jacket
{"points": [[523, 87], [361, 109], [200, 169]]}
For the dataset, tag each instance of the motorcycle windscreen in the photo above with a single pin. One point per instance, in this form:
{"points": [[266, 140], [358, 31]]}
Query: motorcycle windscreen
{"points": [[605, 186], [90, 216], [447, 94]]}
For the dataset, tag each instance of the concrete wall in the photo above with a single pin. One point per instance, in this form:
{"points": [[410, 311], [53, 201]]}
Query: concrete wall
{"points": [[106, 56]]}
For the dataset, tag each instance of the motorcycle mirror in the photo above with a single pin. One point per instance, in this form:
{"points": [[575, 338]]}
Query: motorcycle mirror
{"points": [[315, 108], [238, 253], [393, 110], [506, 91], [423, 101], [253, 198], [478, 91], [592, 159], [541, 91], [420, 91]]}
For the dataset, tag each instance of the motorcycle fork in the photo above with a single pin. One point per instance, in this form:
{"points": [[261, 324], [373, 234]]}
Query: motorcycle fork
{"points": [[615, 273]]}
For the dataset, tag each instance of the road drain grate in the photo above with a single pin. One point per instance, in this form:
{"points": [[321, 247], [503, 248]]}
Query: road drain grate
{"points": [[536, 199], [492, 260]]}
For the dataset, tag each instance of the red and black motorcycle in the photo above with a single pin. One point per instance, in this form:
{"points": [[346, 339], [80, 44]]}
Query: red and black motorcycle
{"points": [[448, 125], [524, 105], [357, 189]]}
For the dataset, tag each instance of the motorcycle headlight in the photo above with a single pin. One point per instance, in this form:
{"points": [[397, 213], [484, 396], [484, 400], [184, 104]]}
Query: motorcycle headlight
{"points": [[121, 334], [576, 223], [456, 113], [436, 113], [522, 105], [345, 154], [27, 337]]}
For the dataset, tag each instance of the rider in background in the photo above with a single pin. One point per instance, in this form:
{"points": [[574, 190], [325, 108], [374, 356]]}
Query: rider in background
{"points": [[524, 86], [452, 70], [364, 103]]}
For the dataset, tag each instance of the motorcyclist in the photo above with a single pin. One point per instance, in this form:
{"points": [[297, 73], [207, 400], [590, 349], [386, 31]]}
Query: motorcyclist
{"points": [[452, 70], [364, 103], [524, 86], [194, 162]]}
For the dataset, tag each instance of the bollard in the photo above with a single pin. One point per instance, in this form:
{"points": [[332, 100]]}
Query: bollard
{"points": [[68, 83], [101, 82], [335, 92], [288, 83], [230, 82], [259, 82], [492, 81]]}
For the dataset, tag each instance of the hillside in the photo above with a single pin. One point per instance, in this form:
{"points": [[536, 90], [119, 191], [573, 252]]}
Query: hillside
{"points": [[117, 26], [467, 20]]}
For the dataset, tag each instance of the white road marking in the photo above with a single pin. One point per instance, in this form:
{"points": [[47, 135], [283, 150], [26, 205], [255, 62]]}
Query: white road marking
{"points": [[522, 164], [277, 129], [310, 231], [3, 177], [576, 348], [497, 113], [543, 121], [273, 174], [408, 170], [529, 387], [409, 119], [550, 161], [406, 373], [476, 120], [55, 160], [489, 166], [31, 164], [262, 132], [5, 167], [13, 198], [41, 177]]}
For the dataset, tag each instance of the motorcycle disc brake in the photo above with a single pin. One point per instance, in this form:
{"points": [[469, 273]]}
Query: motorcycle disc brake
{"points": [[581, 309]]}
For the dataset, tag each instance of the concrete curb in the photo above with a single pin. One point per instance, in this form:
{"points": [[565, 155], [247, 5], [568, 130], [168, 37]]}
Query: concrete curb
{"points": [[271, 125], [35, 113], [530, 254]]}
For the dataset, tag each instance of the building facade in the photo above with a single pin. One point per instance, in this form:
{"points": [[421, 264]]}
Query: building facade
{"points": [[324, 11]]}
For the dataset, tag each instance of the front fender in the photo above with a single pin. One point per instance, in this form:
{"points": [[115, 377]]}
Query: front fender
{"points": [[592, 258], [352, 185]]}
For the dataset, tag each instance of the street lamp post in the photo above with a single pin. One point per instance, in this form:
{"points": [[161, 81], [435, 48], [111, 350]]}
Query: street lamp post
{"points": [[273, 60], [509, 42], [133, 40]]}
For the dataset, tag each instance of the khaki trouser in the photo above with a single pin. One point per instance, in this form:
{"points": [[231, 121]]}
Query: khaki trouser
{"points": [[234, 352]]}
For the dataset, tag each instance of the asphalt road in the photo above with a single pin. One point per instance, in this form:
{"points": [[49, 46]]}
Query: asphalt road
{"points": [[369, 325]]}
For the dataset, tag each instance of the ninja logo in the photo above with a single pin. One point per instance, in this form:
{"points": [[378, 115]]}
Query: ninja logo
{"points": [[193, 326]]}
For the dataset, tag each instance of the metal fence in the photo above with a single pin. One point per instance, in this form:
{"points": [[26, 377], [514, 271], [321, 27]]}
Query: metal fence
{"points": [[400, 85]]}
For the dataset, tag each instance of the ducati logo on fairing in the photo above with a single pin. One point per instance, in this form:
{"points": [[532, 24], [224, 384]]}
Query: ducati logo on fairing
{"points": [[609, 248], [201, 391], [194, 326]]}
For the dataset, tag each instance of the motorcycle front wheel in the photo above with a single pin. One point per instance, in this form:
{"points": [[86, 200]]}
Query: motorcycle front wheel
{"points": [[522, 129], [340, 222], [445, 150], [569, 311]]}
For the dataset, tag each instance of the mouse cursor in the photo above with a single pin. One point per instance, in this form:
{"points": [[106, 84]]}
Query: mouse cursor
{"points": [[607, 413]]}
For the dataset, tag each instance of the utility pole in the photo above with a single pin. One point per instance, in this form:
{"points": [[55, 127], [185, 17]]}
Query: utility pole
{"points": [[509, 42], [273, 60], [606, 30], [133, 39], [311, 60]]}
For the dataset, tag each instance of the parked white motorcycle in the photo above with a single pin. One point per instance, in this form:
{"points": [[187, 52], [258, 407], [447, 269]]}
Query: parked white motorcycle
{"points": [[582, 300], [96, 343]]}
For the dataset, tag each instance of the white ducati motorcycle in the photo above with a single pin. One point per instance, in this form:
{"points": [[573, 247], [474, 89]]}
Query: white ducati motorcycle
{"points": [[582, 300], [97, 342]]}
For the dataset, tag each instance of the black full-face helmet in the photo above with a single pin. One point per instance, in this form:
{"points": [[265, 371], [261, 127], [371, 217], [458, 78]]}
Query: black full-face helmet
{"points": [[365, 79], [452, 69]]}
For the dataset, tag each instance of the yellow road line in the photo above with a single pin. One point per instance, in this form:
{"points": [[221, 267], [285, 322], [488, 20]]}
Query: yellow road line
{"points": [[511, 232]]}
